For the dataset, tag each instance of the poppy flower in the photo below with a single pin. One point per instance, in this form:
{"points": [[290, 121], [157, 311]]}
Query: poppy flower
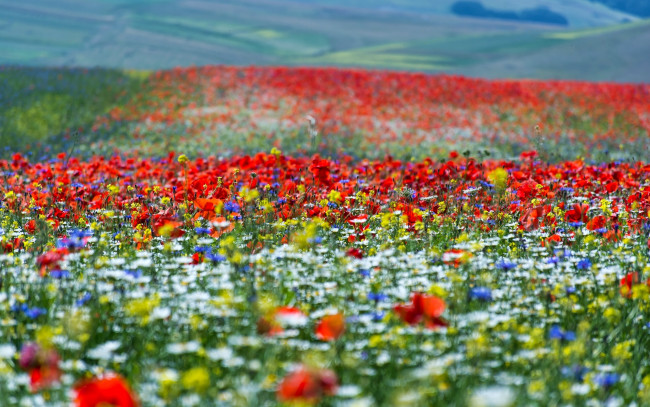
{"points": [[354, 252], [307, 385], [42, 364], [111, 390], [43, 377], [598, 222], [207, 207], [51, 260], [628, 282], [290, 316], [330, 327], [456, 257], [423, 307], [321, 170], [578, 213]]}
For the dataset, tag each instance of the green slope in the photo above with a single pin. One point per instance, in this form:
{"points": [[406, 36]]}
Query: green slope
{"points": [[158, 34], [579, 13]]}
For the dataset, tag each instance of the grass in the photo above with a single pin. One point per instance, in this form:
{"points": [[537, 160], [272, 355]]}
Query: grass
{"points": [[572, 35], [39, 104]]}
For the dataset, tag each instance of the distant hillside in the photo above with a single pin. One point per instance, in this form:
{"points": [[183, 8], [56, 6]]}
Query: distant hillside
{"points": [[159, 34], [637, 7], [578, 13]]}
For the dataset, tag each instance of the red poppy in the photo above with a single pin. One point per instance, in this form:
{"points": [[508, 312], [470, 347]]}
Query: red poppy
{"points": [[331, 327], [578, 213], [307, 385], [290, 316], [423, 307], [44, 376], [207, 207], [456, 257], [51, 260], [354, 252], [111, 390], [42, 364], [611, 186], [627, 282], [321, 170], [31, 227], [598, 222]]}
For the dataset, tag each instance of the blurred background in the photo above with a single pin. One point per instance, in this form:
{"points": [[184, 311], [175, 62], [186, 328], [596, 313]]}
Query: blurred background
{"points": [[548, 39]]}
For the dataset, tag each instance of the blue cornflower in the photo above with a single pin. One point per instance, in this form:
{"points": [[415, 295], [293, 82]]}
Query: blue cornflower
{"points": [[584, 264], [215, 258], [84, 299], [60, 273], [557, 333], [19, 308], [35, 312], [378, 316], [232, 206], [377, 297], [576, 224], [364, 272], [201, 231], [576, 372], [506, 265], [76, 240], [480, 293], [607, 380], [133, 273]]}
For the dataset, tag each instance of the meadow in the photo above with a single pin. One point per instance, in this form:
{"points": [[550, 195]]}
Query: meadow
{"points": [[269, 236]]}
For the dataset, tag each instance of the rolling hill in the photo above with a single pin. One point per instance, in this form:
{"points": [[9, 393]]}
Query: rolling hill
{"points": [[391, 34], [579, 13]]}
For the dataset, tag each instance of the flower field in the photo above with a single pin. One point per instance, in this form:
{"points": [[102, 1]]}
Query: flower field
{"points": [[290, 236]]}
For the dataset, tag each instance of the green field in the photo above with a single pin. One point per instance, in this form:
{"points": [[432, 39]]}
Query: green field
{"points": [[402, 35]]}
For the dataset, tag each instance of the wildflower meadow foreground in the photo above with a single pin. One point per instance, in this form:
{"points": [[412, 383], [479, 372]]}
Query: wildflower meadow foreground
{"points": [[292, 236]]}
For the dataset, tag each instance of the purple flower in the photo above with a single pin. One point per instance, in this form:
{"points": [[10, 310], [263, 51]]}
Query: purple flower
{"points": [[28, 355]]}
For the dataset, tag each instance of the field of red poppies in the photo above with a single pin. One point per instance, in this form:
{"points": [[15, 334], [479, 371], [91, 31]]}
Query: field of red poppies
{"points": [[290, 236]]}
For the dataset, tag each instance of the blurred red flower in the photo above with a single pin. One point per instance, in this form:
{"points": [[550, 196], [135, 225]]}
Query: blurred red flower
{"points": [[423, 307], [307, 385], [331, 327], [111, 390]]}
